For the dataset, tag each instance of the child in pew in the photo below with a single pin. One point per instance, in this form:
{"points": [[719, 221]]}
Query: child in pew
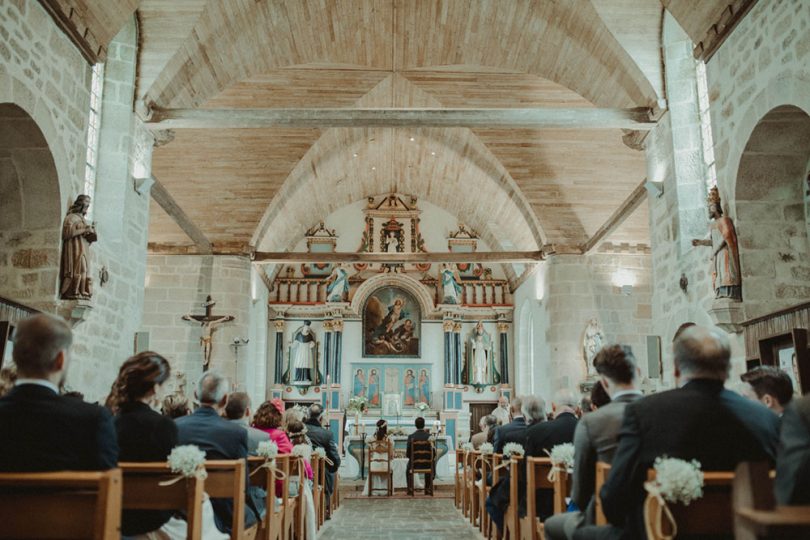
{"points": [[145, 435], [297, 432]]}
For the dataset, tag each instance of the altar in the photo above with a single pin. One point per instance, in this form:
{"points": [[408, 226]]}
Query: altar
{"points": [[356, 447]]}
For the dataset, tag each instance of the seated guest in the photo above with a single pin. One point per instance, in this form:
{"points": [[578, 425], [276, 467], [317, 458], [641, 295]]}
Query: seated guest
{"points": [[793, 462], [237, 410], [514, 431], [421, 434], [699, 420], [771, 385], [219, 439], [41, 430], [486, 423], [599, 396], [297, 432], [596, 437], [175, 405], [541, 437], [380, 460], [268, 419], [324, 438], [533, 410]]}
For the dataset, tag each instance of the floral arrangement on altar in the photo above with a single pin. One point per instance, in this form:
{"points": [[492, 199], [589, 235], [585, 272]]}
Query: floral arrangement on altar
{"points": [[563, 455], [676, 480], [486, 449], [513, 449], [357, 404], [422, 406], [267, 449], [189, 461]]}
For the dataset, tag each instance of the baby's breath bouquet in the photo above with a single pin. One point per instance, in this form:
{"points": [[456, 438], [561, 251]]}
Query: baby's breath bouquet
{"points": [[467, 447], [267, 449], [562, 455], [678, 481], [487, 449], [188, 460], [513, 449]]}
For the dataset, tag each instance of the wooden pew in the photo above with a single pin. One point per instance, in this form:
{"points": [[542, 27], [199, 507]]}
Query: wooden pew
{"points": [[491, 530], [537, 472], [469, 458], [226, 480], [487, 464], [756, 515], [319, 487], [602, 472], [458, 497], [511, 520], [709, 515], [141, 491], [61, 505], [293, 511], [471, 486], [272, 525]]}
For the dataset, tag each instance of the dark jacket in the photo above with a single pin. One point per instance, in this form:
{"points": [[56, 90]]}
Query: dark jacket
{"points": [[701, 421], [43, 431], [323, 438], [514, 431], [143, 435], [793, 463], [221, 439], [542, 437], [418, 435]]}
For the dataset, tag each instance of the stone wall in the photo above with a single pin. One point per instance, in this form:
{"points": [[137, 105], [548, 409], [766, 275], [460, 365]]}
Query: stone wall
{"points": [[178, 285]]}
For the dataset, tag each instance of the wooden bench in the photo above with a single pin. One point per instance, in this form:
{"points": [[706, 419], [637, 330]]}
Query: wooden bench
{"points": [[537, 472], [756, 515], [319, 487], [458, 495], [61, 505], [487, 465], [471, 486], [227, 480], [602, 472], [272, 525], [511, 519], [142, 491]]}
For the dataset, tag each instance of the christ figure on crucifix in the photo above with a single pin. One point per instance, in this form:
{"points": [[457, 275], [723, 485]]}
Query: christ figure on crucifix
{"points": [[209, 322]]}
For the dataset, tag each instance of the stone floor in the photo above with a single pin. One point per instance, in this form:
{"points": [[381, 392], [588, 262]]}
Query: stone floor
{"points": [[400, 519]]}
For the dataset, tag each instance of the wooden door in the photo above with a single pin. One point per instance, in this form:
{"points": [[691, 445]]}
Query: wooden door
{"points": [[478, 411]]}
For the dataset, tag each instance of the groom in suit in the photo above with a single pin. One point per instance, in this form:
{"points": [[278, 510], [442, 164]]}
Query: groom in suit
{"points": [[39, 429], [699, 420], [419, 435]]}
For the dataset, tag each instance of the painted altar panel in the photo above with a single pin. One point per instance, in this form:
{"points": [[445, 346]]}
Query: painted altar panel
{"points": [[391, 324], [411, 381]]}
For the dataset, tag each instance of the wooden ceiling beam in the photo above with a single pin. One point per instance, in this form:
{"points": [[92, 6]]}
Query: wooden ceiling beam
{"points": [[401, 258], [718, 32], [641, 118], [167, 202], [624, 211]]}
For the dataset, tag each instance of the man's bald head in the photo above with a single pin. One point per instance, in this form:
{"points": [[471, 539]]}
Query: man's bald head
{"points": [[702, 353], [38, 342]]}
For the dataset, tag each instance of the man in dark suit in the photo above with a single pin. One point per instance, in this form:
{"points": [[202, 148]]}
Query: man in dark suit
{"points": [[39, 429], [541, 437], [772, 387], [793, 463], [237, 411], [514, 431], [597, 437], [323, 438], [699, 420], [219, 439], [419, 435]]}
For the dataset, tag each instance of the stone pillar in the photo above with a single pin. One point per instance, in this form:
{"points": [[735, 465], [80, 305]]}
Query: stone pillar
{"points": [[449, 367], [457, 350], [503, 332], [337, 329], [279, 365], [327, 352]]}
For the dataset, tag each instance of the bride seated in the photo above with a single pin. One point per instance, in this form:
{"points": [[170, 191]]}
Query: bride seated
{"points": [[380, 459]]}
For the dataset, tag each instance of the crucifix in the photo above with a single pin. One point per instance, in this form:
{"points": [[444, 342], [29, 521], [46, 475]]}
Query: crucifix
{"points": [[208, 322]]}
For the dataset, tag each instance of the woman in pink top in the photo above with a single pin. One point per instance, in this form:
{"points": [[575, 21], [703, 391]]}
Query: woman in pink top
{"points": [[268, 419]]}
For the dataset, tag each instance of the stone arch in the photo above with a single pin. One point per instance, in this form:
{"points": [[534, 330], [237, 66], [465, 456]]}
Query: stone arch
{"points": [[769, 205], [403, 281], [30, 210]]}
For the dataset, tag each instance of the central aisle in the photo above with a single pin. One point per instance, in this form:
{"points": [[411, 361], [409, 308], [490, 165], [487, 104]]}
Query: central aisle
{"points": [[399, 519]]}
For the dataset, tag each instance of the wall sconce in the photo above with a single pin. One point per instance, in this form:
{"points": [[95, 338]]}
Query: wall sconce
{"points": [[624, 280]]}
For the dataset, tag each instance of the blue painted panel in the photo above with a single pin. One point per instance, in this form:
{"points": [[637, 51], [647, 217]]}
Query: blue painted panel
{"points": [[334, 427], [450, 426], [458, 400]]}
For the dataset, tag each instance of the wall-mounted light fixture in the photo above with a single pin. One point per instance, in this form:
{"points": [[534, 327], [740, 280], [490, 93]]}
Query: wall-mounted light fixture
{"points": [[624, 280]]}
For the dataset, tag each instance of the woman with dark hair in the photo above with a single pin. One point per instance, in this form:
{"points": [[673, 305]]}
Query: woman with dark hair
{"points": [[382, 430], [381, 456], [599, 397], [268, 419]]}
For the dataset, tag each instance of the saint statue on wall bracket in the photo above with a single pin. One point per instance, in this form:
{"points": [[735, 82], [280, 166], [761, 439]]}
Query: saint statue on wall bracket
{"points": [[302, 369], [726, 276], [480, 369]]}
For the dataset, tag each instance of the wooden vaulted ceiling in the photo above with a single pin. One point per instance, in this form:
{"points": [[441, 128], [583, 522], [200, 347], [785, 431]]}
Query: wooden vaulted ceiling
{"points": [[520, 188]]}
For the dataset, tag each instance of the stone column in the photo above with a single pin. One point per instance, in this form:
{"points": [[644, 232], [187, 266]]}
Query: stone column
{"points": [[449, 367], [457, 350], [279, 367], [337, 329], [503, 332], [327, 352]]}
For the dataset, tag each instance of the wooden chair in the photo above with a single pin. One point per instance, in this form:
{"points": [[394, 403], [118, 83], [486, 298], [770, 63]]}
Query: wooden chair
{"points": [[294, 511], [511, 520], [602, 472], [471, 487], [756, 515], [142, 491], [458, 494], [61, 505], [709, 515], [537, 473], [491, 530], [379, 466], [227, 480], [487, 465], [319, 487], [422, 454], [272, 525], [468, 477]]}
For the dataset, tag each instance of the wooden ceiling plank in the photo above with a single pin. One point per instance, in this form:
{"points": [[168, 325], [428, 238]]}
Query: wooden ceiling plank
{"points": [[534, 118], [167, 202]]}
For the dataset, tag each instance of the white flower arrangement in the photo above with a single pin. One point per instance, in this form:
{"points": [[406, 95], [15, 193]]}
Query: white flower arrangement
{"points": [[422, 406], [303, 450], [678, 481], [563, 455], [320, 451], [188, 460], [357, 404], [513, 449], [267, 449], [486, 449], [467, 447]]}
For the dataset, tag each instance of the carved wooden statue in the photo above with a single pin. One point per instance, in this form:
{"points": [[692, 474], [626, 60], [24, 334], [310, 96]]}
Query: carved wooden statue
{"points": [[726, 275], [77, 235]]}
